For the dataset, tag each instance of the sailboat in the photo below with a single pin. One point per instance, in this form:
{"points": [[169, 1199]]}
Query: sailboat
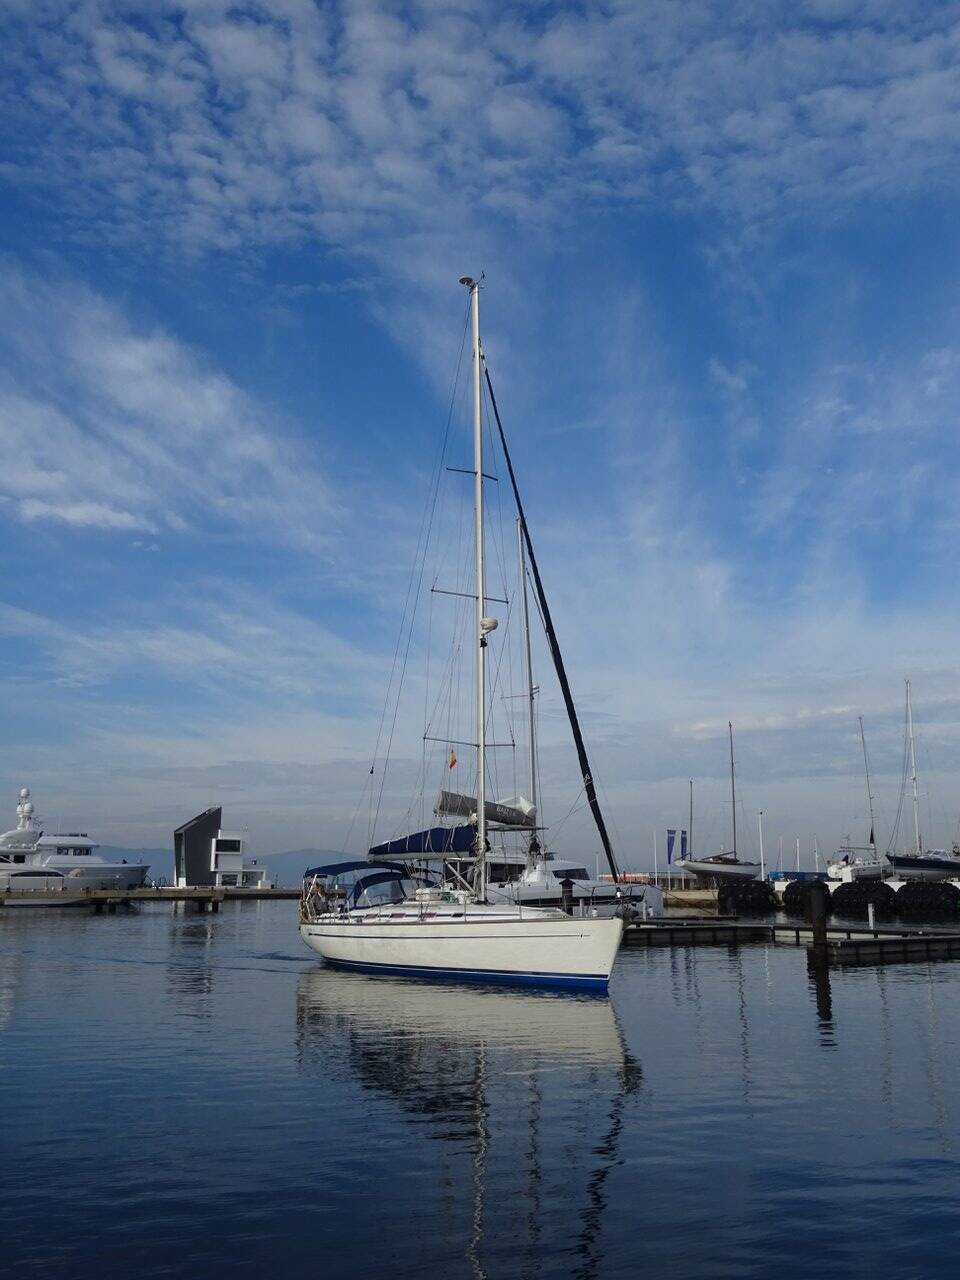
{"points": [[722, 866], [920, 864], [858, 862], [455, 930]]}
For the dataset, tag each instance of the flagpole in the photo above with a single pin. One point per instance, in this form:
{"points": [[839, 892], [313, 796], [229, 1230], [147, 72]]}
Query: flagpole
{"points": [[760, 823]]}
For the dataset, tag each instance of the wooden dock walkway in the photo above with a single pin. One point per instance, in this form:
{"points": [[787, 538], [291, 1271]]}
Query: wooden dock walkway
{"points": [[846, 944], [855, 944], [203, 898], [693, 931]]}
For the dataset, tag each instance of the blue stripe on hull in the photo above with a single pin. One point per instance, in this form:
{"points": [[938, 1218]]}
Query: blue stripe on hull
{"points": [[577, 982]]}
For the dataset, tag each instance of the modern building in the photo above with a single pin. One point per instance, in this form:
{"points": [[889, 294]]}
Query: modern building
{"points": [[206, 855]]}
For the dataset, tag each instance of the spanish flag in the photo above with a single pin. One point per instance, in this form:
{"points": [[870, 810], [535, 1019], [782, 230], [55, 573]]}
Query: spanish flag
{"points": [[453, 760]]}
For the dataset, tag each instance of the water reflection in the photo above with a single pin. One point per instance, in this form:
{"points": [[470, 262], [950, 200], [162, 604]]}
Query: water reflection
{"points": [[818, 975], [190, 970], [11, 977], [479, 1068]]}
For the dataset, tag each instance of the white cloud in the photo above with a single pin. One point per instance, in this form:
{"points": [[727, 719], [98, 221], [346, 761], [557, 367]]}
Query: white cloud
{"points": [[220, 125], [117, 426], [95, 515], [231, 642]]}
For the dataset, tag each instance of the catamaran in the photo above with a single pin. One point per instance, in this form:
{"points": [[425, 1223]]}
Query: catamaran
{"points": [[456, 930]]}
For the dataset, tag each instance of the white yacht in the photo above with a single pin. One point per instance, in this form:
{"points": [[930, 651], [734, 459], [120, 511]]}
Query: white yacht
{"points": [[67, 860], [541, 884], [462, 932]]}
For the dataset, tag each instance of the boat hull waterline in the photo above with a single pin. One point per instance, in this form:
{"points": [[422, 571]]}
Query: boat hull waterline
{"points": [[545, 950], [924, 866]]}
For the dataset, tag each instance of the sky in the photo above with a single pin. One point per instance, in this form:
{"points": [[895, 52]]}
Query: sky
{"points": [[720, 252]]}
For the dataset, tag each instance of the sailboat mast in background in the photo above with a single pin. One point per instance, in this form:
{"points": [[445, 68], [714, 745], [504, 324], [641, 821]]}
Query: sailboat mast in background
{"points": [[866, 770], [733, 788], [913, 771]]}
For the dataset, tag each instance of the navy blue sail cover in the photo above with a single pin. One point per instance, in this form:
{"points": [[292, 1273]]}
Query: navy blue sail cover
{"points": [[435, 840]]}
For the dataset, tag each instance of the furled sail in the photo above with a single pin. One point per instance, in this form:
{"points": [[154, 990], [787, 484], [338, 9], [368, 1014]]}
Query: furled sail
{"points": [[515, 812], [435, 841]]}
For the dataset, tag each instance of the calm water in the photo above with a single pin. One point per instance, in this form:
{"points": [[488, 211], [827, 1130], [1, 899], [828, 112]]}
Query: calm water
{"points": [[196, 1096]]}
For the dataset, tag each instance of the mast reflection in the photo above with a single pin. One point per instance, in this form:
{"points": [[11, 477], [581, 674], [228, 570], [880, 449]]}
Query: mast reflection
{"points": [[501, 1074]]}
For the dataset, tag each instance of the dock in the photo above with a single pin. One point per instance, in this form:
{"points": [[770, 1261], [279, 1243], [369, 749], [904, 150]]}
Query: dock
{"points": [[101, 900], [859, 944], [845, 944], [693, 931]]}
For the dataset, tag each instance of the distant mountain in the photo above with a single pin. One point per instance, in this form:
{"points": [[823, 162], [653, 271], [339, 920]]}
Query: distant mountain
{"points": [[160, 860], [288, 868]]}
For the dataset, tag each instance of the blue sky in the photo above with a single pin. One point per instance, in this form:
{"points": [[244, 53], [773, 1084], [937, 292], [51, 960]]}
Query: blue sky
{"points": [[721, 309]]}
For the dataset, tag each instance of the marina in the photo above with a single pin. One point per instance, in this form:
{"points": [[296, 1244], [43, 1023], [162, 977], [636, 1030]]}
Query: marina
{"points": [[480, 780], [527, 1126]]}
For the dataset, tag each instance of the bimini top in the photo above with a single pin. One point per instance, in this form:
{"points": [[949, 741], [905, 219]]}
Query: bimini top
{"points": [[344, 868]]}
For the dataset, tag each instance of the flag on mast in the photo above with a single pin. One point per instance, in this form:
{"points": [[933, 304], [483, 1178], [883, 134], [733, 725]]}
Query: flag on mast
{"points": [[671, 837], [683, 844], [453, 760]]}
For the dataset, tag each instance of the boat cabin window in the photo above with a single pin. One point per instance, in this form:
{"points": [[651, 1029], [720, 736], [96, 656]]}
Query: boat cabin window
{"points": [[502, 872], [381, 887], [575, 873]]}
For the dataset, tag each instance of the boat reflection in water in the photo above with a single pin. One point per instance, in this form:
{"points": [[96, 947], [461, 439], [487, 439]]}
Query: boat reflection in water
{"points": [[527, 1090]]}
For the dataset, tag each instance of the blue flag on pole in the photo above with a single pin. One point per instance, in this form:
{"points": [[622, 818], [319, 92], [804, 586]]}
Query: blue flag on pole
{"points": [[671, 837], [683, 844]]}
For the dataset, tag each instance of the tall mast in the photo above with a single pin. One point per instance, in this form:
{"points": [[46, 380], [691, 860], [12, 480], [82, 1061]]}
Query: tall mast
{"points": [[482, 624], [733, 789], [866, 770], [913, 770], [528, 674]]}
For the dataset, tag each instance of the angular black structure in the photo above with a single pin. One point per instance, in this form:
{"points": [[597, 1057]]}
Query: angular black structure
{"points": [[191, 849]]}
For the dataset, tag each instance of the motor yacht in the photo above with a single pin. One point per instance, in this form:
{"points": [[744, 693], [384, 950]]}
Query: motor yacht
{"points": [[65, 860]]}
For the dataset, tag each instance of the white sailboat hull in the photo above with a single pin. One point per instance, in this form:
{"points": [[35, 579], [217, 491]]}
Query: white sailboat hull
{"points": [[722, 870], [526, 946]]}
